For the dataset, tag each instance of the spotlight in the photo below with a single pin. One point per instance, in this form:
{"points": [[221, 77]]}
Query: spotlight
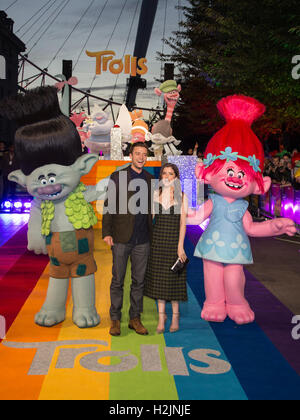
{"points": [[15, 206], [27, 206], [7, 205], [18, 205]]}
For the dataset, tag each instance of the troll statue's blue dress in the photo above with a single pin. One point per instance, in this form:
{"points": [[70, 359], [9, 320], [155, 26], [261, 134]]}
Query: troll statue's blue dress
{"points": [[225, 239]]}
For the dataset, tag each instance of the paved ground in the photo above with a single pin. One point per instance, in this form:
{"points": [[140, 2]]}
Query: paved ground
{"points": [[277, 266]]}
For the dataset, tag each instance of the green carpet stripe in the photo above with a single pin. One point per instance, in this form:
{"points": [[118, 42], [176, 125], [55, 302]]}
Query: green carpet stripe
{"points": [[144, 372]]}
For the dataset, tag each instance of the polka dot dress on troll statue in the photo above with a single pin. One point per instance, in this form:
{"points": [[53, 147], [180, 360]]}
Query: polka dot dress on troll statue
{"points": [[233, 167]]}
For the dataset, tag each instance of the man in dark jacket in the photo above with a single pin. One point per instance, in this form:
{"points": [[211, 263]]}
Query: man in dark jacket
{"points": [[127, 229]]}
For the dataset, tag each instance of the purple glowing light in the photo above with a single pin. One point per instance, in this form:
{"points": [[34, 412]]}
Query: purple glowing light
{"points": [[7, 204], [18, 205]]}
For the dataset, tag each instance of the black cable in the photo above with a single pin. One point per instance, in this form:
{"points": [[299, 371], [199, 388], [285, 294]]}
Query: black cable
{"points": [[90, 34], [42, 25], [65, 41], [129, 34], [163, 39], [116, 24], [53, 20], [162, 48], [24, 24], [111, 35], [38, 19], [11, 5]]}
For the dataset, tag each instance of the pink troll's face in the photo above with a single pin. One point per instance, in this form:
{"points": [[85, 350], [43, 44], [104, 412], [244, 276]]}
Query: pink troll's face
{"points": [[233, 181], [172, 97]]}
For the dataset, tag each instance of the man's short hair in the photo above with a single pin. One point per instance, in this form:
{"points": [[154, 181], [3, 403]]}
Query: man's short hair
{"points": [[138, 144]]}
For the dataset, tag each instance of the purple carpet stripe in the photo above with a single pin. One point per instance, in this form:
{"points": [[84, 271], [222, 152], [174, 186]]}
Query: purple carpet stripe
{"points": [[194, 233], [12, 250], [10, 224], [274, 319]]}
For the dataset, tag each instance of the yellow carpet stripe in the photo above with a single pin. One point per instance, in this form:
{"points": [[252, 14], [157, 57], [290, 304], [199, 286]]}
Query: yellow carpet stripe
{"points": [[15, 363]]}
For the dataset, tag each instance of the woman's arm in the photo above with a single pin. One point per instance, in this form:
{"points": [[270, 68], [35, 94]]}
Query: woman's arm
{"points": [[182, 231]]}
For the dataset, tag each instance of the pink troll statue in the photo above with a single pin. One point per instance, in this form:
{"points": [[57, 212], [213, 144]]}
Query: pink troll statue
{"points": [[233, 167]]}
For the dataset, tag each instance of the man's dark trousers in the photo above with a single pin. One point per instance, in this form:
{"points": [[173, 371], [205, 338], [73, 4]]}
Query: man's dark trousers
{"points": [[139, 256]]}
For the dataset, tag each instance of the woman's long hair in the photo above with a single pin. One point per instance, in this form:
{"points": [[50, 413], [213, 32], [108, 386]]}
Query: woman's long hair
{"points": [[177, 184]]}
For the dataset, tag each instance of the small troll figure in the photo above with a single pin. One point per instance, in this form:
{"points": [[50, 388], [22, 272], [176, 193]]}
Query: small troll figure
{"points": [[233, 167], [49, 151]]}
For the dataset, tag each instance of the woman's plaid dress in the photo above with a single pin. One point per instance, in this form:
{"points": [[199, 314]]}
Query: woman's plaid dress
{"points": [[160, 281]]}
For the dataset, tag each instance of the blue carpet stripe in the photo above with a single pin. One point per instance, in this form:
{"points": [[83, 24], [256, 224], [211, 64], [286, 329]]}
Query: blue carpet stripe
{"points": [[260, 368], [194, 334]]}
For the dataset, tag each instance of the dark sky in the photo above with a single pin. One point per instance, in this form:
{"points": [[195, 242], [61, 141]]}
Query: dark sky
{"points": [[63, 29]]}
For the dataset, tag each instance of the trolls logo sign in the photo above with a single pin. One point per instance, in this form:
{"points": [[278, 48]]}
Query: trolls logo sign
{"points": [[130, 65]]}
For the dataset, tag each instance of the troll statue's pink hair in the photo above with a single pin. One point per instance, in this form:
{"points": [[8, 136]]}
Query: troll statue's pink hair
{"points": [[239, 112]]}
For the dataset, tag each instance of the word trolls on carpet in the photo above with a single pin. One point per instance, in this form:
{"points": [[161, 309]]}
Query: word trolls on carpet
{"points": [[296, 329], [150, 358]]}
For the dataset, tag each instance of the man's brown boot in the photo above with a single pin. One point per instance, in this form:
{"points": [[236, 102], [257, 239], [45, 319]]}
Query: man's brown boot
{"points": [[135, 324], [115, 328]]}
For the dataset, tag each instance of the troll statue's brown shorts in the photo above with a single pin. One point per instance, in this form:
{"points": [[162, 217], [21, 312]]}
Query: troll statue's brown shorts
{"points": [[71, 253]]}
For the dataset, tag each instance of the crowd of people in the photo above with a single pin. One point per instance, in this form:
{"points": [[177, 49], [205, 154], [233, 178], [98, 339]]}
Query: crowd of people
{"points": [[284, 169], [7, 165]]}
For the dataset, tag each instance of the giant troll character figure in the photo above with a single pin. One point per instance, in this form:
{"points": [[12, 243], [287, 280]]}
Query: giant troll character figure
{"points": [[48, 149], [233, 167], [161, 133]]}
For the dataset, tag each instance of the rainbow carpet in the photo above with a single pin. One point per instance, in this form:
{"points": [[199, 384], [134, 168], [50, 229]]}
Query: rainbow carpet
{"points": [[202, 361]]}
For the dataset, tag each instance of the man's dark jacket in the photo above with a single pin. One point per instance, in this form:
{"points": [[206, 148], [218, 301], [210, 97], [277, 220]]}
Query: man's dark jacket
{"points": [[121, 226]]}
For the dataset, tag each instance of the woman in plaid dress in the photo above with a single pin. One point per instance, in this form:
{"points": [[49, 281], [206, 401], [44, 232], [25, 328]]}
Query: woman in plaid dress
{"points": [[170, 209]]}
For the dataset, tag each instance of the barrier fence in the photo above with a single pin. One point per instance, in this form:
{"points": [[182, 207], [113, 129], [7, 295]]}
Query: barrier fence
{"points": [[281, 201]]}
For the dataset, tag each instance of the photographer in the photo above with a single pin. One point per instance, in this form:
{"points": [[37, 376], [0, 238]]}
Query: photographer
{"points": [[284, 173], [8, 165], [274, 170], [296, 181]]}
